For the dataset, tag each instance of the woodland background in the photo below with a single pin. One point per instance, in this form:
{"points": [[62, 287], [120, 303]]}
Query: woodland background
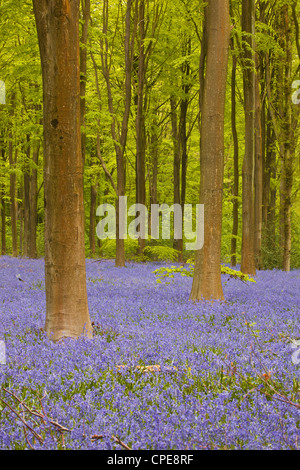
{"points": [[161, 155]]}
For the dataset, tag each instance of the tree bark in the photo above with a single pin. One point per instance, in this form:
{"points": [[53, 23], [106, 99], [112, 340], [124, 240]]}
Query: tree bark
{"points": [[207, 277], [12, 155], [248, 256], [235, 191], [258, 173], [92, 229], [85, 16], [178, 244], [2, 207], [26, 198], [67, 312], [32, 253], [3, 223], [286, 182], [140, 115]]}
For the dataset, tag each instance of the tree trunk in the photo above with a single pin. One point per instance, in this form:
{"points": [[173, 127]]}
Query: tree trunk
{"points": [[67, 312], [140, 117], [184, 104], [153, 149], [178, 244], [85, 16], [26, 198], [270, 189], [12, 155], [235, 191], [207, 277], [32, 253], [258, 174], [286, 182], [120, 138], [2, 207], [92, 229], [248, 256]]}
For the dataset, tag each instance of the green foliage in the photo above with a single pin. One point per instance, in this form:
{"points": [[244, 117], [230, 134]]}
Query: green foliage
{"points": [[161, 253], [165, 272], [151, 252], [167, 60], [108, 248]]}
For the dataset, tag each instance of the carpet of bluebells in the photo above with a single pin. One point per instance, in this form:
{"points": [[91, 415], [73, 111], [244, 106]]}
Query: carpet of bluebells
{"points": [[224, 375]]}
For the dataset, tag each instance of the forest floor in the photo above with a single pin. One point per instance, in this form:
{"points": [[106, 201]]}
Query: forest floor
{"points": [[160, 373]]}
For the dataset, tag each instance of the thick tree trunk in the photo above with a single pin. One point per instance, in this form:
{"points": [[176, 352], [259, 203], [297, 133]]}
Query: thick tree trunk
{"points": [[207, 277], [248, 256], [67, 312]]}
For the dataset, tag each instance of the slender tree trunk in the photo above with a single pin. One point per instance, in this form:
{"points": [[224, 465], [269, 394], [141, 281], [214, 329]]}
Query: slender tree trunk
{"points": [[3, 223], [140, 116], [32, 253], [85, 16], [120, 138], [92, 229], [178, 244], [67, 312], [12, 155], [258, 174], [248, 256], [153, 149], [120, 247], [20, 218], [235, 191], [26, 198], [207, 277], [288, 143], [184, 104], [183, 149], [2, 207], [270, 188], [154, 160]]}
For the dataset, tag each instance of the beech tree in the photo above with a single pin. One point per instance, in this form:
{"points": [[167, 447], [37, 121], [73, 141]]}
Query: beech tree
{"points": [[67, 314], [207, 276]]}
